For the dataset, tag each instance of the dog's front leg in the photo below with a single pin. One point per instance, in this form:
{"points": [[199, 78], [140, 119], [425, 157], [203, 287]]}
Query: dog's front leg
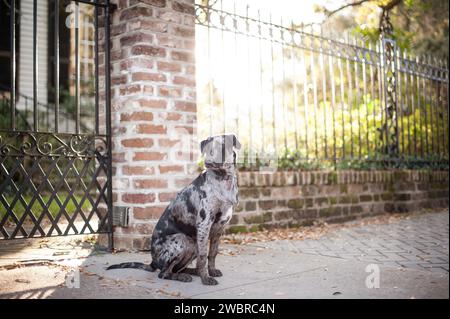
{"points": [[203, 229], [213, 250]]}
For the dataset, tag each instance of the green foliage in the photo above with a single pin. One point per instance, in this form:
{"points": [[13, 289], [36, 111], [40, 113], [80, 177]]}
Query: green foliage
{"points": [[292, 159], [420, 27], [357, 140], [53, 207], [5, 116]]}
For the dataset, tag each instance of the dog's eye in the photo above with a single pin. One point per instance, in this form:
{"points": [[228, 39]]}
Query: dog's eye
{"points": [[211, 152]]}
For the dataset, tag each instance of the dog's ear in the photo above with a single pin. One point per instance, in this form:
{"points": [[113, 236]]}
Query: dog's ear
{"points": [[204, 143], [236, 143]]}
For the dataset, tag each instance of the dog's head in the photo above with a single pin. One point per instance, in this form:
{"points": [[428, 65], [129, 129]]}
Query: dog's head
{"points": [[219, 151]]}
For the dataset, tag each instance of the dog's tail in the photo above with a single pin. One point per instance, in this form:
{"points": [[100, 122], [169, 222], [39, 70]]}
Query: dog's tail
{"points": [[137, 265]]}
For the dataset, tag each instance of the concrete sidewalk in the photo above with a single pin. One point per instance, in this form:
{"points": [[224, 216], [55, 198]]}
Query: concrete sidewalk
{"points": [[412, 256]]}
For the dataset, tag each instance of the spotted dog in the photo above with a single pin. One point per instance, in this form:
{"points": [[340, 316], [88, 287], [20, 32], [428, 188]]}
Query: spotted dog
{"points": [[197, 215]]}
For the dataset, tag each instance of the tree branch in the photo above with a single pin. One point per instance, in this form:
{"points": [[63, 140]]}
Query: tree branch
{"points": [[386, 7], [352, 4]]}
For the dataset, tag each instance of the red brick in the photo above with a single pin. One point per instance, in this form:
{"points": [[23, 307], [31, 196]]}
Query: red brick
{"points": [[136, 116], [173, 116], [146, 213], [130, 89], [167, 142], [189, 20], [151, 129], [168, 91], [142, 49], [190, 70], [154, 26], [183, 56], [121, 79], [118, 157], [158, 104], [166, 197], [163, 169], [138, 198], [168, 66], [131, 39], [183, 32], [149, 156], [183, 81], [186, 106], [136, 63], [170, 42], [150, 183], [116, 55], [122, 4], [189, 45], [134, 12], [138, 170], [145, 76], [183, 7], [170, 16], [118, 29], [138, 142], [156, 3]]}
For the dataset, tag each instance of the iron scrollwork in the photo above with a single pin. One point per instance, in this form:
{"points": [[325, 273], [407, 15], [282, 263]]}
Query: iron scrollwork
{"points": [[21, 143]]}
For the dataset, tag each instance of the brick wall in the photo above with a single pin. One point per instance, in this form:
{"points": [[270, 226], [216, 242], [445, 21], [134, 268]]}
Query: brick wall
{"points": [[300, 198], [155, 151], [153, 109]]}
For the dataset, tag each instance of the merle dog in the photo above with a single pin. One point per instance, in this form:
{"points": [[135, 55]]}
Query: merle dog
{"points": [[197, 215]]}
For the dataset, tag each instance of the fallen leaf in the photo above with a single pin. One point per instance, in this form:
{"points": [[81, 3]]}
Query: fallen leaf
{"points": [[24, 281]]}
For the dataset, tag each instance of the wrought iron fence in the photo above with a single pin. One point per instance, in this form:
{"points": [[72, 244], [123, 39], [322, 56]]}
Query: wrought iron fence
{"points": [[313, 101], [54, 179]]}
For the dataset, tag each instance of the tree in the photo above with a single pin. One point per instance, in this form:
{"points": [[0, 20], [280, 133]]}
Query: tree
{"points": [[419, 26]]}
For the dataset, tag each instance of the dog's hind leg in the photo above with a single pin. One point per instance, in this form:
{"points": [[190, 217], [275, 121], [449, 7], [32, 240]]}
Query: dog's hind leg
{"points": [[178, 253]]}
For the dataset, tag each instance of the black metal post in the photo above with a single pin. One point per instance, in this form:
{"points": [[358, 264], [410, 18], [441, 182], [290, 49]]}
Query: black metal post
{"points": [[96, 110], [13, 64], [56, 61], [35, 69], [108, 124], [77, 68]]}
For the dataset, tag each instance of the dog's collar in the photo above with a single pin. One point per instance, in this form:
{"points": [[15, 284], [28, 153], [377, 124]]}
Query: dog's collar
{"points": [[219, 172]]}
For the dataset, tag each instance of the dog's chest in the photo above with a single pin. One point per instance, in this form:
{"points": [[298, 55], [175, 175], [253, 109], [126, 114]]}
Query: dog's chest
{"points": [[223, 191]]}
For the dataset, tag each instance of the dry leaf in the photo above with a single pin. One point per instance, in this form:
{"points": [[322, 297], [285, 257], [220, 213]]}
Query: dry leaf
{"points": [[23, 281]]}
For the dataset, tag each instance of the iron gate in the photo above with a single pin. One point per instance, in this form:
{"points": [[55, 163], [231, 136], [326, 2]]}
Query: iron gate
{"points": [[55, 157]]}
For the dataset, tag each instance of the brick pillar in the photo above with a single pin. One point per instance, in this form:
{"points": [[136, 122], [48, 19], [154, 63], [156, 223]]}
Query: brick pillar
{"points": [[153, 110]]}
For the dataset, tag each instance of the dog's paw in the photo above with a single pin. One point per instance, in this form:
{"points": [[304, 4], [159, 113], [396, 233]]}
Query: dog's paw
{"points": [[184, 277], [215, 272], [209, 281]]}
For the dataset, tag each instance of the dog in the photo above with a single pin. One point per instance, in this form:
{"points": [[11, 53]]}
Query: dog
{"points": [[197, 215]]}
